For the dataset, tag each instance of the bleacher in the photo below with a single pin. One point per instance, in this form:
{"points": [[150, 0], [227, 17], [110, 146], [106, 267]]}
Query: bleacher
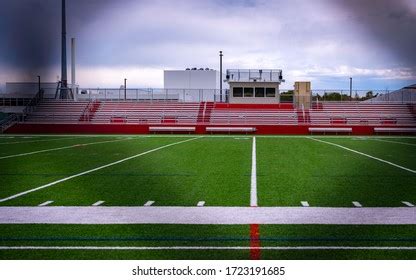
{"points": [[57, 111], [356, 113], [269, 115], [329, 114], [146, 112]]}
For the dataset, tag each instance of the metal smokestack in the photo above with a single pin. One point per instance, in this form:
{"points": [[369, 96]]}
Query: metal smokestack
{"points": [[73, 81], [64, 80]]}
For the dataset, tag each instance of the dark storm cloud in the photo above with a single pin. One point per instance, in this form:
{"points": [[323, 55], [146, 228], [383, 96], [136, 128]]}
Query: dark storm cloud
{"points": [[30, 29], [391, 24]]}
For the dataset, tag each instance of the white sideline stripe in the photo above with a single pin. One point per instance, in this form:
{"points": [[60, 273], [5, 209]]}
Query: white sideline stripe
{"points": [[46, 203], [253, 192], [305, 203], [62, 148], [357, 204], [45, 140], [149, 203], [94, 169], [201, 203], [408, 204], [181, 248], [363, 154], [98, 203], [394, 142], [208, 215]]}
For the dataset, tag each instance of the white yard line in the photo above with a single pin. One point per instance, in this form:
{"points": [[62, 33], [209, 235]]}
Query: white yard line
{"points": [[394, 142], [209, 215], [204, 248], [304, 203], [149, 203], [201, 203], [98, 203], [408, 204], [94, 169], [363, 154], [44, 140], [46, 203], [357, 204], [63, 148], [253, 191]]}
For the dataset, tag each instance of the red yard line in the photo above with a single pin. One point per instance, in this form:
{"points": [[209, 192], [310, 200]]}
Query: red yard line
{"points": [[255, 251]]}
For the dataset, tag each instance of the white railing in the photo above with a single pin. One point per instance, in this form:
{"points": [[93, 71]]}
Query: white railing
{"points": [[8, 122]]}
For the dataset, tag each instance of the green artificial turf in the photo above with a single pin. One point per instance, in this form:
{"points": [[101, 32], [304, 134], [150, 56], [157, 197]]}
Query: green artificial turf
{"points": [[206, 235], [291, 170], [216, 170]]}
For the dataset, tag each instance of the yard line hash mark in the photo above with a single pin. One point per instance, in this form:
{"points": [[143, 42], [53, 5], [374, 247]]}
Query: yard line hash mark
{"points": [[149, 203], [98, 203], [201, 203], [46, 203], [304, 203], [408, 204], [357, 204]]}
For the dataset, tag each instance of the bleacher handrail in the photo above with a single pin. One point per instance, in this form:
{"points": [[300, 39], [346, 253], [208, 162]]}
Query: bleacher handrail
{"points": [[8, 122], [33, 103]]}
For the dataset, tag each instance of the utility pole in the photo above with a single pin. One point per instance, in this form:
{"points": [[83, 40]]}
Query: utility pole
{"points": [[350, 88], [221, 55], [73, 80], [64, 80], [125, 89]]}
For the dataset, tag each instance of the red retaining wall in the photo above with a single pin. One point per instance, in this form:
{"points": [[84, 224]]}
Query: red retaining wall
{"points": [[117, 128]]}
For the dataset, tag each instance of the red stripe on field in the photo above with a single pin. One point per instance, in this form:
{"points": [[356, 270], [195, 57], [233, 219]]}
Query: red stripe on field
{"points": [[255, 253]]}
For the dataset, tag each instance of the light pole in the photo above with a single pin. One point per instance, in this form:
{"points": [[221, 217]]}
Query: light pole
{"points": [[350, 88], [125, 89], [221, 55]]}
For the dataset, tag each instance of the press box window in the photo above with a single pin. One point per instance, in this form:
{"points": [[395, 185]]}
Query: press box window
{"points": [[248, 92], [238, 92], [270, 92], [259, 92]]}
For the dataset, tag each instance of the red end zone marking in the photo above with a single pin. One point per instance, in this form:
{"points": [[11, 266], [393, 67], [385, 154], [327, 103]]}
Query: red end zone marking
{"points": [[255, 253]]}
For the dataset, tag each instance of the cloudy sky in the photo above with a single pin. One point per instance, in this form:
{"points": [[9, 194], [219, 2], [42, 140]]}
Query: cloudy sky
{"points": [[325, 41]]}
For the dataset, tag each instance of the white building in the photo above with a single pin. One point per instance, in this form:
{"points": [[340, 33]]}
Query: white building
{"points": [[195, 84]]}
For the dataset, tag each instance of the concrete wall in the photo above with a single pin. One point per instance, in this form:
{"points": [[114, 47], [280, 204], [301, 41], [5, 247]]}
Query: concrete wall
{"points": [[192, 79], [194, 85]]}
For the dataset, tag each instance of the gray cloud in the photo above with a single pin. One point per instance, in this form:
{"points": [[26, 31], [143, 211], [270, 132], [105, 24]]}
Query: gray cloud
{"points": [[390, 24], [316, 40], [30, 29]]}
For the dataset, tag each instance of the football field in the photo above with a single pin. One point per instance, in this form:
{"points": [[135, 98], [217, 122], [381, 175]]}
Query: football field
{"points": [[207, 197]]}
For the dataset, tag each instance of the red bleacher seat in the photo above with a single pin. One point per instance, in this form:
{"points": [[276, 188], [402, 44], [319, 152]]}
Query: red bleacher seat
{"points": [[361, 113]]}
